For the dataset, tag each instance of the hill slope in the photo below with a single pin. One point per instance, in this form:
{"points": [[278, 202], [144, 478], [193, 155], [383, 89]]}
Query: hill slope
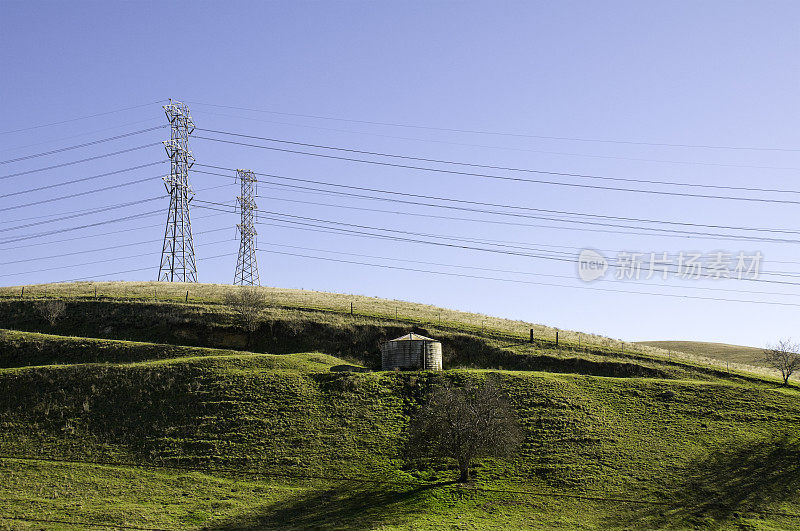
{"points": [[150, 414], [719, 351]]}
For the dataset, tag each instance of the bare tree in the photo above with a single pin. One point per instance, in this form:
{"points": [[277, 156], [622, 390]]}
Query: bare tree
{"points": [[247, 303], [465, 424], [783, 356], [51, 310]]}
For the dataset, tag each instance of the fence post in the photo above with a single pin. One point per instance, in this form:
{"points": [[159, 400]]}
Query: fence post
{"points": [[531, 335], [556, 338], [187, 295], [23, 292], [351, 308]]}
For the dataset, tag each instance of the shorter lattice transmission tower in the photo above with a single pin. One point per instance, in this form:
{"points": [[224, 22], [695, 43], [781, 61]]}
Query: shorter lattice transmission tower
{"points": [[247, 265], [177, 254]]}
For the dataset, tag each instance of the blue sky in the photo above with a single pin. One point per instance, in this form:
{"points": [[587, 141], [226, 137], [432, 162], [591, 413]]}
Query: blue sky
{"points": [[612, 81]]}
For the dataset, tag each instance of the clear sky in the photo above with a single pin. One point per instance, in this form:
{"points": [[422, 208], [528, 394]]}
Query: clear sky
{"points": [[654, 91]]}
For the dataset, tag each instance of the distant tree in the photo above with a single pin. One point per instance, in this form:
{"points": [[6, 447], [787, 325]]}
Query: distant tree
{"points": [[465, 424], [783, 356], [247, 303], [51, 310]]}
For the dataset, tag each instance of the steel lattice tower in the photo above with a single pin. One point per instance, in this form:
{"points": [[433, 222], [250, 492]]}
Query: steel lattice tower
{"points": [[246, 265], [177, 255]]}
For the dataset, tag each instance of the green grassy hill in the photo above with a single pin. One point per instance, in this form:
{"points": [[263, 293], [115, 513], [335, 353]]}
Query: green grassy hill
{"points": [[719, 351], [144, 410]]}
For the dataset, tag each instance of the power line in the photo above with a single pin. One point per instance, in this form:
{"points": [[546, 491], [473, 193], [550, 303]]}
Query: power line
{"points": [[320, 191], [137, 269], [582, 222], [384, 211], [83, 179], [518, 135], [86, 251], [77, 146], [557, 255], [395, 238], [319, 250], [88, 212], [433, 216], [377, 228], [79, 135], [93, 262], [88, 225], [507, 178], [560, 256], [509, 148], [529, 282], [487, 221], [81, 118], [492, 167], [62, 165], [515, 207], [106, 233], [79, 194], [538, 225], [495, 270]]}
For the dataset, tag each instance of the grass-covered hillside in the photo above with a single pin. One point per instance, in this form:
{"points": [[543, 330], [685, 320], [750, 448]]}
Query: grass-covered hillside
{"points": [[719, 351], [139, 408]]}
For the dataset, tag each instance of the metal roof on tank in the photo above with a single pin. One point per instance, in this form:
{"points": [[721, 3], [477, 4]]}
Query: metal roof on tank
{"points": [[413, 337]]}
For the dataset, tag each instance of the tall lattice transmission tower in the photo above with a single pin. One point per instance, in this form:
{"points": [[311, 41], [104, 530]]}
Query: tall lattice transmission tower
{"points": [[246, 265], [177, 255]]}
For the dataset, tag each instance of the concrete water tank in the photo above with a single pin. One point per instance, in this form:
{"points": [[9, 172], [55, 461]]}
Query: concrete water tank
{"points": [[412, 352]]}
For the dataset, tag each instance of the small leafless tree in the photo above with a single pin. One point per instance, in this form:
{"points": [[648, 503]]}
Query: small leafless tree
{"points": [[247, 303], [465, 424], [51, 310], [783, 356]]}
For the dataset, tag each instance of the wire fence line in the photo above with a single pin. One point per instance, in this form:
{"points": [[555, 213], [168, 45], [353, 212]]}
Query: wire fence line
{"points": [[534, 334]]}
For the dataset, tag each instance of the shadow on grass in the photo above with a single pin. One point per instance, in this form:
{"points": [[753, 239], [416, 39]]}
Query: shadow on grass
{"points": [[348, 505], [349, 368], [752, 478]]}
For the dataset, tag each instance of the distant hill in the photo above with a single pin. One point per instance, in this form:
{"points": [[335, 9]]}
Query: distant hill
{"points": [[718, 351]]}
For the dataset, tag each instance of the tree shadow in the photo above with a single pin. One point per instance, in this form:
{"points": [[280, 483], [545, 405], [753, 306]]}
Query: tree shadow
{"points": [[348, 505], [349, 368], [751, 478]]}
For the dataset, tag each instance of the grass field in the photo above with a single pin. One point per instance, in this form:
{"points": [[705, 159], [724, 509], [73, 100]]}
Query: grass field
{"points": [[147, 413], [719, 351]]}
